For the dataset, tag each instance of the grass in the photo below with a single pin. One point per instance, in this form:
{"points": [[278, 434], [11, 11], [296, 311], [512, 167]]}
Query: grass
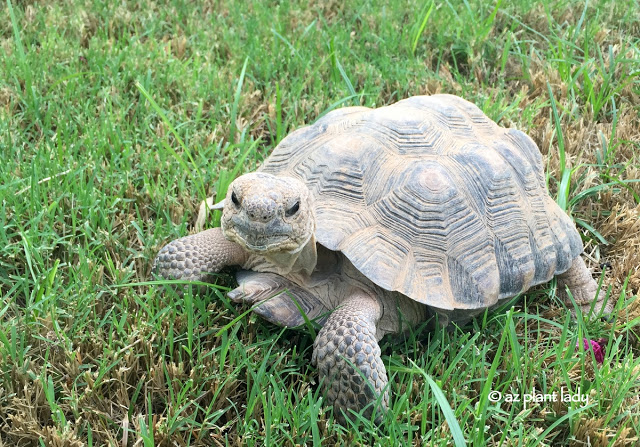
{"points": [[117, 119]]}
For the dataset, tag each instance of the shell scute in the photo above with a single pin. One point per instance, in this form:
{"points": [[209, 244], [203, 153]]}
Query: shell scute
{"points": [[431, 198]]}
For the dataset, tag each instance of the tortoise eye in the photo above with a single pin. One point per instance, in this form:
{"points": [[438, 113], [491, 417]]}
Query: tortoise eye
{"points": [[234, 199], [293, 210]]}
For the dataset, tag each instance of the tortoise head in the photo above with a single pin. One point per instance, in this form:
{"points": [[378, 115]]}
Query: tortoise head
{"points": [[268, 214]]}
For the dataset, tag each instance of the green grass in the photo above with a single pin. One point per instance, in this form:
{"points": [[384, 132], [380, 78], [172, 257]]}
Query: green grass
{"points": [[117, 119]]}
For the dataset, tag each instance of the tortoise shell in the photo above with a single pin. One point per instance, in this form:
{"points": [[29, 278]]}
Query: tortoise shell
{"points": [[431, 198]]}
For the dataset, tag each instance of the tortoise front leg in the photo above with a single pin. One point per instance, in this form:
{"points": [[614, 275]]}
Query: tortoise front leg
{"points": [[583, 289], [347, 354], [196, 257]]}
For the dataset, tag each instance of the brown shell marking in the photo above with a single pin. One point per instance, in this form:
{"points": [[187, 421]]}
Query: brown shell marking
{"points": [[431, 198]]}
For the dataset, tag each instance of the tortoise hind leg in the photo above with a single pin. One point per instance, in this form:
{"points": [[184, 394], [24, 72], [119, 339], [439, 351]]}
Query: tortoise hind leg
{"points": [[347, 354], [583, 289]]}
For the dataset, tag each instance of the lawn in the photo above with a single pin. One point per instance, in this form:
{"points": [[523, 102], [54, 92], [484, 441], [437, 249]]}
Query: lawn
{"points": [[118, 119]]}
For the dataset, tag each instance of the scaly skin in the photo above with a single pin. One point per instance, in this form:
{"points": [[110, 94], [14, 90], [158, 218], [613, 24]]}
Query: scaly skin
{"points": [[196, 257], [583, 289], [348, 339]]}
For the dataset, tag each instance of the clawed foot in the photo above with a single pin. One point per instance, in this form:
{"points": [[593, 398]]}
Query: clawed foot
{"points": [[347, 354]]}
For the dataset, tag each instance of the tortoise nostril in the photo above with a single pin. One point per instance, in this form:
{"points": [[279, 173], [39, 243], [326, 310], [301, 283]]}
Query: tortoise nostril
{"points": [[260, 209], [264, 217]]}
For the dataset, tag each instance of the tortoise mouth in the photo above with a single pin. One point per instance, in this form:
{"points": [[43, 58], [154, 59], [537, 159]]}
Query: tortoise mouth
{"points": [[264, 244], [262, 238]]}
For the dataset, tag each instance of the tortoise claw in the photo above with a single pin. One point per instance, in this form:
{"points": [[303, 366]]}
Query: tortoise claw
{"points": [[236, 295]]}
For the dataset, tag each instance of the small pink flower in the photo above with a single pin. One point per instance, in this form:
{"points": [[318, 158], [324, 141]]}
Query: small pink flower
{"points": [[596, 346]]}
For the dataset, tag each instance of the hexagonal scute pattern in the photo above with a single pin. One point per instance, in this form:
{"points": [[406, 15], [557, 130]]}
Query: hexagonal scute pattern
{"points": [[431, 198]]}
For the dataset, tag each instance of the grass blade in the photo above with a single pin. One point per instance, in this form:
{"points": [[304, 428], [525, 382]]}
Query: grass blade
{"points": [[346, 79], [192, 172], [420, 30], [32, 99], [454, 426], [565, 174], [481, 409], [236, 101]]}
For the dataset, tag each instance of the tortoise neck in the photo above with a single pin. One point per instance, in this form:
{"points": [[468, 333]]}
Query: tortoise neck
{"points": [[302, 261]]}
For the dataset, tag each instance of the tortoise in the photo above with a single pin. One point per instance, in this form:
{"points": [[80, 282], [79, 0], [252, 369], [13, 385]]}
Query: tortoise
{"points": [[370, 221]]}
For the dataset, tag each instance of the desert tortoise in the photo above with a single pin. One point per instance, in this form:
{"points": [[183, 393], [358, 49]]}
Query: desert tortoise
{"points": [[375, 219]]}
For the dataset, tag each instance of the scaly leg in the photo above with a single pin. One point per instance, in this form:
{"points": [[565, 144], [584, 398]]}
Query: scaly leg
{"points": [[196, 257], [583, 288], [348, 339]]}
